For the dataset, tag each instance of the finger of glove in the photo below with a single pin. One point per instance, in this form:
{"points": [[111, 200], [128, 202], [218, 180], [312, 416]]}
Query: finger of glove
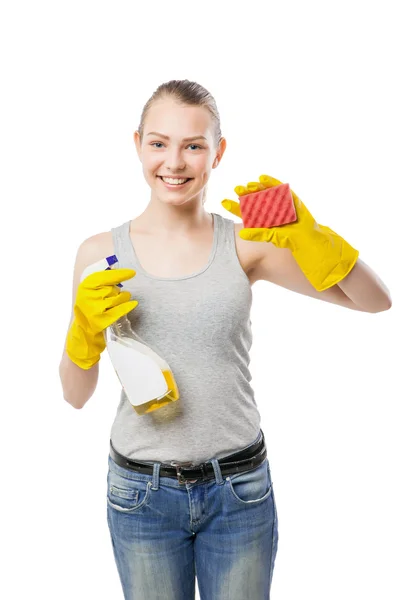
{"points": [[241, 190], [252, 186], [255, 186], [108, 277], [274, 235], [105, 316], [115, 300], [92, 304], [232, 206], [115, 313], [269, 181], [257, 234], [91, 300]]}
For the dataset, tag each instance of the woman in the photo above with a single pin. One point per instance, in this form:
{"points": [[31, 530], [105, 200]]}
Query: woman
{"points": [[189, 485]]}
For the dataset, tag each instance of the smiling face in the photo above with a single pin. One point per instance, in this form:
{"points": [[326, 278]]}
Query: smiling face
{"points": [[175, 156]]}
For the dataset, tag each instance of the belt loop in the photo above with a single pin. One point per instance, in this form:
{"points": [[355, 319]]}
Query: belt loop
{"points": [[156, 475], [260, 436], [217, 471]]}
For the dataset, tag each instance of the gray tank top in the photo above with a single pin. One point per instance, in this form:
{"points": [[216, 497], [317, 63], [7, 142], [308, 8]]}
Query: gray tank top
{"points": [[200, 324]]}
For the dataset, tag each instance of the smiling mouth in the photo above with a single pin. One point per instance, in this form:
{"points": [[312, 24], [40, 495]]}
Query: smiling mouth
{"points": [[169, 177], [177, 185]]}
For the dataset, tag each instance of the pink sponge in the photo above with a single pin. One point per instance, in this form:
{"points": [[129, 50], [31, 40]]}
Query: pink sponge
{"points": [[268, 208]]}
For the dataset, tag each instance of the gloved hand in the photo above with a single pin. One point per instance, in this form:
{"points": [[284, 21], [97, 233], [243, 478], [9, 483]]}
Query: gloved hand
{"points": [[98, 304], [324, 257]]}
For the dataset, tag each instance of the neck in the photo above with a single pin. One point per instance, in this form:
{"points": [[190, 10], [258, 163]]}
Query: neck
{"points": [[167, 218]]}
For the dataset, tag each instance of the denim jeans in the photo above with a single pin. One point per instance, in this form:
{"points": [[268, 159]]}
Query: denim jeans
{"points": [[223, 531]]}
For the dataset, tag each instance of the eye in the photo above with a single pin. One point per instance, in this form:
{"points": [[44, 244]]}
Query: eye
{"points": [[153, 143]]}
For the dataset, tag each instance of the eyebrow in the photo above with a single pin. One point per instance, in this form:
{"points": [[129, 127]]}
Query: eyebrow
{"points": [[189, 139]]}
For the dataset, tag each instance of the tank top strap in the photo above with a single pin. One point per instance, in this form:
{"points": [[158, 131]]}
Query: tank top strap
{"points": [[227, 255], [226, 234], [122, 246]]}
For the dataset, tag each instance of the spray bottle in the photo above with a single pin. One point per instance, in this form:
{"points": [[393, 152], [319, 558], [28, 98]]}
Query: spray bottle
{"points": [[145, 377]]}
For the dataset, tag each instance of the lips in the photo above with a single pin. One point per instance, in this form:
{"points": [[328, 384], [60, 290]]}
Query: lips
{"points": [[175, 186], [170, 177]]}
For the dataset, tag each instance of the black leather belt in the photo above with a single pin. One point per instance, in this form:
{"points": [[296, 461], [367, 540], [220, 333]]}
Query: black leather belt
{"points": [[243, 460]]}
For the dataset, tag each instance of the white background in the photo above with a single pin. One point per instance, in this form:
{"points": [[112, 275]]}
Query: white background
{"points": [[308, 93]]}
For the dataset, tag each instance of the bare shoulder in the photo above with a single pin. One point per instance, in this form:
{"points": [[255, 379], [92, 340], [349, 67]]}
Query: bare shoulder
{"points": [[95, 247], [91, 250]]}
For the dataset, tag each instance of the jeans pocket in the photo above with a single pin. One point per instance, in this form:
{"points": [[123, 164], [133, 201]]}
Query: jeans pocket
{"points": [[127, 494], [251, 487]]}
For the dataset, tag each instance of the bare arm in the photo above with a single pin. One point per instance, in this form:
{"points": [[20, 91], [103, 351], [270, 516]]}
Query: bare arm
{"points": [[79, 384], [278, 266]]}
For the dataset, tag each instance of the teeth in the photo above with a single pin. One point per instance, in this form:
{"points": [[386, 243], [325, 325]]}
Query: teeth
{"points": [[173, 181]]}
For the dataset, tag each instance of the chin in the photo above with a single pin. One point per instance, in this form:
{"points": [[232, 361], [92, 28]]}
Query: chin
{"points": [[172, 197], [174, 201]]}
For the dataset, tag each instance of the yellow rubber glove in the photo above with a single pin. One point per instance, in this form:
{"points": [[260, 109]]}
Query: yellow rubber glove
{"points": [[98, 304], [324, 257]]}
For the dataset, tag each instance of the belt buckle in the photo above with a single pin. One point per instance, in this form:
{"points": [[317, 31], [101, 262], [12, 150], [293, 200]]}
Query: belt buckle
{"points": [[178, 465]]}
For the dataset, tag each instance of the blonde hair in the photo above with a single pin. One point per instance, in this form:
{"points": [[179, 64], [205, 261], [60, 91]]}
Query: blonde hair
{"points": [[188, 92]]}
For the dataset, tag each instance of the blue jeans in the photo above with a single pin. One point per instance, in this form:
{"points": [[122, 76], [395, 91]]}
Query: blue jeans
{"points": [[223, 531]]}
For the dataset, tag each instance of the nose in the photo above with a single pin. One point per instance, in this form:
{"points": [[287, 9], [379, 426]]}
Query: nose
{"points": [[174, 161]]}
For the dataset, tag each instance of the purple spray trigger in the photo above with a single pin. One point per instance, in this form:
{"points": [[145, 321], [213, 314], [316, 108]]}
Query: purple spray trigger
{"points": [[111, 261]]}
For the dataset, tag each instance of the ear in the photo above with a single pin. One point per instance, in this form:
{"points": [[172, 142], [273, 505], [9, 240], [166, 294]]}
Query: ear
{"points": [[220, 152], [136, 139]]}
